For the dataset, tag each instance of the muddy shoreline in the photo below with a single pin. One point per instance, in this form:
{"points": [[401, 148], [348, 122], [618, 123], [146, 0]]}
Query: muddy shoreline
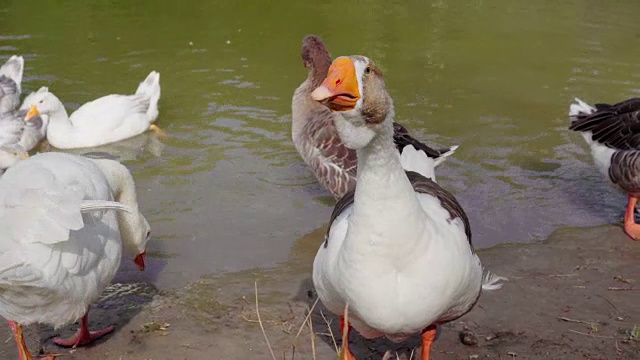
{"points": [[573, 296]]}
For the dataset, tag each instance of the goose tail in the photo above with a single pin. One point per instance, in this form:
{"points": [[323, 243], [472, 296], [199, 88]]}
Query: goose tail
{"points": [[491, 281], [579, 107], [150, 88], [13, 69], [445, 153]]}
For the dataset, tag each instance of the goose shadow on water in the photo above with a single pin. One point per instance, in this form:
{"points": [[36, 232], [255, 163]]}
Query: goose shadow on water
{"points": [[125, 150], [130, 290]]}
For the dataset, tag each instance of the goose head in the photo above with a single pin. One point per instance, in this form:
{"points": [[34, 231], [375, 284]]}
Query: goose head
{"points": [[354, 88], [10, 155], [45, 102], [140, 241]]}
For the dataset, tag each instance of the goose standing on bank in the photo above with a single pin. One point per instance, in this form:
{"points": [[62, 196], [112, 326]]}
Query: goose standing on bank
{"points": [[61, 243], [102, 121], [11, 83], [613, 134], [314, 133], [398, 250]]}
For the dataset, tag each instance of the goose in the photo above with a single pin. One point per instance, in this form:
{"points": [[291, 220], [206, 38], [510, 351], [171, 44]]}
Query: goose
{"points": [[315, 136], [62, 240], [23, 127], [102, 121], [398, 249], [11, 83], [9, 155], [613, 134]]}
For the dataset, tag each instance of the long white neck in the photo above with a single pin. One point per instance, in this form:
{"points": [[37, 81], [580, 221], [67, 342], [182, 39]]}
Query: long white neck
{"points": [[123, 187], [385, 203], [60, 131]]}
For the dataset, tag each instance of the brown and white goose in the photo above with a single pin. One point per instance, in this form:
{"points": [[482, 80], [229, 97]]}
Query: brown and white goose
{"points": [[613, 134], [314, 133], [398, 250]]}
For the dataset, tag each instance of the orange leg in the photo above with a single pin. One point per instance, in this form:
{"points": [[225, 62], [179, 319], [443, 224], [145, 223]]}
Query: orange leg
{"points": [[159, 132], [23, 352], [630, 227], [428, 337], [83, 336], [345, 353]]}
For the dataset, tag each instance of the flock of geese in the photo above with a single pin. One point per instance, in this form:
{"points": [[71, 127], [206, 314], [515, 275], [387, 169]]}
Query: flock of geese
{"points": [[397, 253]]}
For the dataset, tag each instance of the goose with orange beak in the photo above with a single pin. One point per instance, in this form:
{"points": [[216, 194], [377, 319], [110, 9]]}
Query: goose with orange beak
{"points": [[24, 128], [314, 133], [398, 249]]}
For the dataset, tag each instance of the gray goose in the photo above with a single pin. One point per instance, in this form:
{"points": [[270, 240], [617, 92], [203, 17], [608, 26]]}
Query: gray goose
{"points": [[10, 83], [613, 134], [314, 133], [23, 128]]}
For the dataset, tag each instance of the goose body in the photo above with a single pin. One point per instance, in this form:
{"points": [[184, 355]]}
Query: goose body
{"points": [[11, 83], [102, 121], [62, 239], [398, 250], [314, 133], [613, 135]]}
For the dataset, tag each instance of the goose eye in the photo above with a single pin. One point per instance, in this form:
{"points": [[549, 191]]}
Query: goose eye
{"points": [[148, 233], [367, 70], [41, 101]]}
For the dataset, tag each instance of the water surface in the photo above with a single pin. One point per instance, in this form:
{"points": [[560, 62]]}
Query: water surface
{"points": [[227, 190]]}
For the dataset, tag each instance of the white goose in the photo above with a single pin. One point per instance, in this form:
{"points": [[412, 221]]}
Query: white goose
{"points": [[9, 155], [102, 121], [398, 250], [11, 83], [60, 244]]}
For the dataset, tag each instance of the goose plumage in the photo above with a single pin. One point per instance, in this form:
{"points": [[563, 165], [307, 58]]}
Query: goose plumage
{"points": [[398, 249], [315, 136], [65, 220], [102, 121], [613, 135], [9, 155], [11, 83], [23, 127]]}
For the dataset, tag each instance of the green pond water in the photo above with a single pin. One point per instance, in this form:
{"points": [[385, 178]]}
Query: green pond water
{"points": [[227, 191]]}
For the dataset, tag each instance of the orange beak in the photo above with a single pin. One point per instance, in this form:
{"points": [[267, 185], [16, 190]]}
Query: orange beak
{"points": [[33, 112], [339, 91], [139, 260]]}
